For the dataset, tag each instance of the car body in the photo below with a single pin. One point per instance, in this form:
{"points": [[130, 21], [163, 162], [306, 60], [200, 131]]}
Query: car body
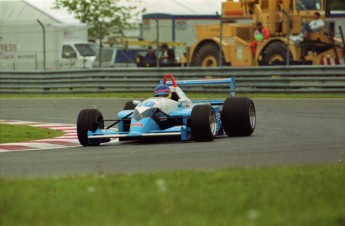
{"points": [[178, 116]]}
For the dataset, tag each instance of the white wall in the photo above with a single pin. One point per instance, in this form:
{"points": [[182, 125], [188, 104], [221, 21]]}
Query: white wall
{"points": [[183, 26]]}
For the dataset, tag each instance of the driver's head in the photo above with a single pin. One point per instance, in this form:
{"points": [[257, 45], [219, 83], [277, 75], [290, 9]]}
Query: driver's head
{"points": [[317, 15], [259, 25], [162, 91]]}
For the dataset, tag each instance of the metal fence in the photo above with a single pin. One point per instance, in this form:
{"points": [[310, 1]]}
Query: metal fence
{"points": [[277, 79]]}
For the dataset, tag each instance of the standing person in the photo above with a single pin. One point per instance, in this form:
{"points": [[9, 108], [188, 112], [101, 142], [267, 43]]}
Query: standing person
{"points": [[150, 59], [183, 60], [260, 34], [168, 55]]}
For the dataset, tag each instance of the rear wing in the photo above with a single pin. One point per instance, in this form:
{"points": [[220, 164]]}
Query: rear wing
{"points": [[231, 81]]}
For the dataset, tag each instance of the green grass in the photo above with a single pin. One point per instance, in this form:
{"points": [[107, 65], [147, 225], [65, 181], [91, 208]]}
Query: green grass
{"points": [[191, 95], [297, 195], [19, 133]]}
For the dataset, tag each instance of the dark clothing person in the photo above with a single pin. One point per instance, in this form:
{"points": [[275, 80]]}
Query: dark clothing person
{"points": [[168, 55], [150, 58]]}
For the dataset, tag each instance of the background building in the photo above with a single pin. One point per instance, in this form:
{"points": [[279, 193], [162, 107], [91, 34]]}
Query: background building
{"points": [[31, 39]]}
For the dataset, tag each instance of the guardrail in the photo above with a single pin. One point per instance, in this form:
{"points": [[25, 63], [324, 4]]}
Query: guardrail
{"points": [[277, 79]]}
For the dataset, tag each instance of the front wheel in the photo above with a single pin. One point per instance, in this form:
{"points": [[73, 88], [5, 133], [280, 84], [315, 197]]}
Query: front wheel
{"points": [[203, 122], [89, 119], [208, 55], [129, 105], [276, 54], [238, 116], [126, 122]]}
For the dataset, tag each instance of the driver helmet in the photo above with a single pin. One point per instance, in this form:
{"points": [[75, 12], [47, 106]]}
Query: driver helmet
{"points": [[162, 91]]}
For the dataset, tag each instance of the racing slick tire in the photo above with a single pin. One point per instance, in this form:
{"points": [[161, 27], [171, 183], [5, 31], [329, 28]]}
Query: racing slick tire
{"points": [[129, 105], [238, 116], [89, 119], [203, 122]]}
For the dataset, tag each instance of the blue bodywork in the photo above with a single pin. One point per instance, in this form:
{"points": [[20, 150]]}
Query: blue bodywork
{"points": [[148, 120]]}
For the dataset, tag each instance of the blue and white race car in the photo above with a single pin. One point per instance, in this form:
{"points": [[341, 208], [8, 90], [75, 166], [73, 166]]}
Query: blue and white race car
{"points": [[171, 113]]}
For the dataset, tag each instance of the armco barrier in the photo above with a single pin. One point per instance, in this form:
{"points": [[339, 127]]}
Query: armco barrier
{"points": [[277, 79]]}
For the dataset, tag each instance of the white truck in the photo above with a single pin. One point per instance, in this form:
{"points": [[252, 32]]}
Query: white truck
{"points": [[39, 46]]}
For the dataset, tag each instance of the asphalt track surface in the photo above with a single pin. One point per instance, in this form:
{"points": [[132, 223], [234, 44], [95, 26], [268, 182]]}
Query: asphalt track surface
{"points": [[288, 132]]}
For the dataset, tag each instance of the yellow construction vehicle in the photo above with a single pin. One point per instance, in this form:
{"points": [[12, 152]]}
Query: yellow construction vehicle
{"points": [[135, 42], [283, 19]]}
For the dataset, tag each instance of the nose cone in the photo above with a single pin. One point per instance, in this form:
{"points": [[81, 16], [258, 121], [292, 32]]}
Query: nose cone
{"points": [[142, 126]]}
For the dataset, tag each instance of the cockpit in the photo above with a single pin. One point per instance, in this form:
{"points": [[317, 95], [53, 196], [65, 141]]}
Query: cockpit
{"points": [[308, 4]]}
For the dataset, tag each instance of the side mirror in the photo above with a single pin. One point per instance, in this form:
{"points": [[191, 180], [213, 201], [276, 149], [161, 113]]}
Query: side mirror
{"points": [[136, 102], [66, 55], [181, 102], [69, 55]]}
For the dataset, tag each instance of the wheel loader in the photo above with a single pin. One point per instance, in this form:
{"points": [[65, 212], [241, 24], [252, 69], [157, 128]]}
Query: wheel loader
{"points": [[283, 18]]}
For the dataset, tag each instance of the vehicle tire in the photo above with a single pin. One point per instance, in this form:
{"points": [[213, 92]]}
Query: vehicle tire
{"points": [[238, 116], [208, 55], [203, 122], [129, 105], [89, 119], [275, 54]]}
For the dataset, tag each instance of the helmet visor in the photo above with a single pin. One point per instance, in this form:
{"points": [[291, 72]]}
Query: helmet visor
{"points": [[162, 91]]}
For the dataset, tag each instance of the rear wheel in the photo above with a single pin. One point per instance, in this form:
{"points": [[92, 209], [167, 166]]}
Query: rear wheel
{"points": [[203, 123], [89, 119], [207, 56], [238, 116]]}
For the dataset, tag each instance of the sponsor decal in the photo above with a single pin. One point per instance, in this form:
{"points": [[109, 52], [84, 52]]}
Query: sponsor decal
{"points": [[161, 117], [137, 124]]}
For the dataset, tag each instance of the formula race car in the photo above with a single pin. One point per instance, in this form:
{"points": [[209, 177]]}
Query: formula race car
{"points": [[171, 113]]}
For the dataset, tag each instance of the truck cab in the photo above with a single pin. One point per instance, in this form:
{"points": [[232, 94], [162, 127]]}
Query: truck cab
{"points": [[78, 55]]}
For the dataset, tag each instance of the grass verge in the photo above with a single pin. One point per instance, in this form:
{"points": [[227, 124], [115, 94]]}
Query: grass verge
{"points": [[20, 133], [190, 95], [298, 195]]}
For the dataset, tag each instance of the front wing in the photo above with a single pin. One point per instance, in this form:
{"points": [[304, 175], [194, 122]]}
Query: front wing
{"points": [[183, 131]]}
